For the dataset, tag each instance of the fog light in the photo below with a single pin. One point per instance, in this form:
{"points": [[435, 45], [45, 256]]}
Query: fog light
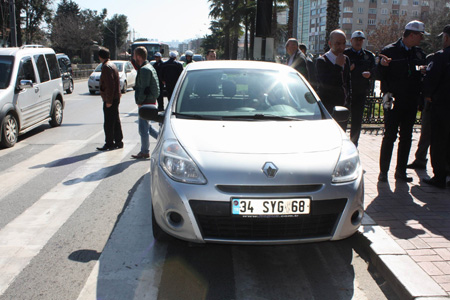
{"points": [[356, 217], [175, 218]]}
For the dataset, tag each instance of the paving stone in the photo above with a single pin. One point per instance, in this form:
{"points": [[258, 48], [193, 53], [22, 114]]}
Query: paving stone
{"points": [[430, 268]]}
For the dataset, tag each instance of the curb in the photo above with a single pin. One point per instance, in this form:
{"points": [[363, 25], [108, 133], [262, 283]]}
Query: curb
{"points": [[404, 275]]}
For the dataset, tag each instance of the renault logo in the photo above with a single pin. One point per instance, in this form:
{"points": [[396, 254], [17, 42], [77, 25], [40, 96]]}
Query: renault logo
{"points": [[270, 169]]}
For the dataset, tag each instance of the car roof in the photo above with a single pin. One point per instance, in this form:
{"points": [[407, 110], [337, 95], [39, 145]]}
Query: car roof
{"points": [[14, 51], [239, 64]]}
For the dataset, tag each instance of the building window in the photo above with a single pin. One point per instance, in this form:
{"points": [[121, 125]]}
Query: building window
{"points": [[360, 10], [383, 22], [416, 2], [425, 3], [348, 9], [359, 21], [404, 12], [395, 1], [384, 1], [347, 21], [373, 11], [395, 11], [372, 22], [384, 11], [404, 2], [415, 13]]}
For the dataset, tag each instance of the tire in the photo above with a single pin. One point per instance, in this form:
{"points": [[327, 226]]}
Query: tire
{"points": [[70, 88], [159, 234], [125, 87], [10, 131], [92, 92], [57, 114]]}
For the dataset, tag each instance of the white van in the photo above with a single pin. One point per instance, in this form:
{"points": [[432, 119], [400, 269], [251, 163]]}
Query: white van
{"points": [[31, 91]]}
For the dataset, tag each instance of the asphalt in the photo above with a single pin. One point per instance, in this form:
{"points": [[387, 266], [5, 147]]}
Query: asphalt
{"points": [[406, 226]]}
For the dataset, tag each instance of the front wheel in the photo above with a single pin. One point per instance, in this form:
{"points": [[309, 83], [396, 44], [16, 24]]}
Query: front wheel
{"points": [[125, 87], [10, 131], [70, 88], [57, 114]]}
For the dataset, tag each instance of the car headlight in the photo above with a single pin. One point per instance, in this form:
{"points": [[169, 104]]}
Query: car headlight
{"points": [[178, 165], [348, 167], [92, 77]]}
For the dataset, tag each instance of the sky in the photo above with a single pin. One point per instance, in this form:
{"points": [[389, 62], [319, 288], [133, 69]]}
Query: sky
{"points": [[164, 20]]}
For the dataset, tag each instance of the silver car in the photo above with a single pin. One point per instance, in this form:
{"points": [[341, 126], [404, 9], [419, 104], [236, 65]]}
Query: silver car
{"points": [[127, 75], [249, 155]]}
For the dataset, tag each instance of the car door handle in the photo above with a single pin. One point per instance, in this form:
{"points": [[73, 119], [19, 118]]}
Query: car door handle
{"points": [[36, 89]]}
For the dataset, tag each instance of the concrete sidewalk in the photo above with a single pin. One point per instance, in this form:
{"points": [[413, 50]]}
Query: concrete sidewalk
{"points": [[407, 226]]}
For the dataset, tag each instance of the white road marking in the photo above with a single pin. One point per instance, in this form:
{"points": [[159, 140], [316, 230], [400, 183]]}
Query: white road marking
{"points": [[130, 265], [24, 237]]}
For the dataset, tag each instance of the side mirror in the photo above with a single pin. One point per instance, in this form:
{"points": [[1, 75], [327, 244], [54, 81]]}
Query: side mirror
{"points": [[340, 114], [150, 112], [25, 84]]}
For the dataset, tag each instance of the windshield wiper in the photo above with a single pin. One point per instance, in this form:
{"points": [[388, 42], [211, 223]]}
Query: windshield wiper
{"points": [[196, 117]]}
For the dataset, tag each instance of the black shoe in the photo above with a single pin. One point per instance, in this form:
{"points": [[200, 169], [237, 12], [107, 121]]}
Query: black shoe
{"points": [[106, 148], [118, 145], [417, 166], [435, 182], [383, 177], [403, 177]]}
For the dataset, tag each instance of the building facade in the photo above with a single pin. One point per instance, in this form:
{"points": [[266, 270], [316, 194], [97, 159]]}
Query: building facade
{"points": [[365, 15]]}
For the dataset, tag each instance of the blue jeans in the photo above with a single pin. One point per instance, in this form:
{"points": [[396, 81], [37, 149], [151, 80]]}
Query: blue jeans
{"points": [[146, 129]]}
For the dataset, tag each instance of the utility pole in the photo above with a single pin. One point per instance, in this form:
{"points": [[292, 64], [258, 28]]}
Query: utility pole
{"points": [[12, 22]]}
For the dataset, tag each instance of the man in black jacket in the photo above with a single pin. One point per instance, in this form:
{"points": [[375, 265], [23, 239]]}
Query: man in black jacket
{"points": [[437, 93], [400, 73], [333, 74], [362, 63], [170, 72], [158, 67], [297, 59]]}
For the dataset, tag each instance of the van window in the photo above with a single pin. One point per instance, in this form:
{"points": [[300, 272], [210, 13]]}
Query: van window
{"points": [[6, 64], [42, 67], [53, 66], [26, 70]]}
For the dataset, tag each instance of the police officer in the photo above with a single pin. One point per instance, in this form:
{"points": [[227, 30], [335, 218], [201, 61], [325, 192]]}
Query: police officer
{"points": [[437, 93], [362, 63], [400, 73], [189, 58], [158, 67]]}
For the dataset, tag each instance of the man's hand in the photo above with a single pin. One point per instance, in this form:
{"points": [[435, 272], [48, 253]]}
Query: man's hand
{"points": [[340, 60], [108, 105], [366, 74], [385, 61], [352, 67]]}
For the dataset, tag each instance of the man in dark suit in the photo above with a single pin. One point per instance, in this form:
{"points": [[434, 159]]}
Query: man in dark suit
{"points": [[333, 74], [296, 59]]}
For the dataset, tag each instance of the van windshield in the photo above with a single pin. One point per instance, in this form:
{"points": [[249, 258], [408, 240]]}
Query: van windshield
{"points": [[6, 65]]}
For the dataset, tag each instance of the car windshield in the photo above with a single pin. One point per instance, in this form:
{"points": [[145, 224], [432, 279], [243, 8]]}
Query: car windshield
{"points": [[236, 94], [6, 64], [119, 66]]}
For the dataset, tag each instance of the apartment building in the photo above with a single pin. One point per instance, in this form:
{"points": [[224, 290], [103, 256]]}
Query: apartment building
{"points": [[362, 15]]}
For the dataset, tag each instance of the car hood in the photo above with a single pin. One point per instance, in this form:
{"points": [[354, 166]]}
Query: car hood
{"points": [[257, 137]]}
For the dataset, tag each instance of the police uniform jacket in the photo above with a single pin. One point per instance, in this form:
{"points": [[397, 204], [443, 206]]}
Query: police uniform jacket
{"points": [[364, 60], [170, 72], [437, 80], [402, 78]]}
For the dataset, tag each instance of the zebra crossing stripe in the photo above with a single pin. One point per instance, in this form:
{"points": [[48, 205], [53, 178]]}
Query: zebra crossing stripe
{"points": [[24, 237]]}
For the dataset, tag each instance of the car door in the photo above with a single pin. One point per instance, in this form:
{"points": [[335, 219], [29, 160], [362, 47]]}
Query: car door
{"points": [[45, 87], [27, 99]]}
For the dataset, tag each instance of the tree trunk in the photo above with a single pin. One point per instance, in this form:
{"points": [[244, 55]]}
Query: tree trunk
{"points": [[333, 14], [290, 23]]}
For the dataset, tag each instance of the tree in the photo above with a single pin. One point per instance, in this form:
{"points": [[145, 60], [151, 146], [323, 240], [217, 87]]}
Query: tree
{"points": [[386, 33], [115, 33], [74, 31], [434, 24], [333, 14]]}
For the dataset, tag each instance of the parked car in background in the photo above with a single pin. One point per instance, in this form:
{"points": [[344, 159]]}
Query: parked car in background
{"points": [[248, 154], [31, 91], [65, 67], [127, 75]]}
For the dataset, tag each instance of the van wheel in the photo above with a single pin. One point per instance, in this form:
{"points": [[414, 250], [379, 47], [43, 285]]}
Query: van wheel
{"points": [[125, 87], [57, 114], [92, 92], [159, 234], [10, 131], [70, 88]]}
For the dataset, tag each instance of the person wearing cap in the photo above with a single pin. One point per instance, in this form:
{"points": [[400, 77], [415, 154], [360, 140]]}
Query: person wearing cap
{"points": [[297, 59], [170, 73], [400, 75], [189, 55], [437, 92], [146, 92], [333, 74], [158, 67], [362, 63]]}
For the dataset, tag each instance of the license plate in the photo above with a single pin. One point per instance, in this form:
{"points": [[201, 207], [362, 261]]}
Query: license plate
{"points": [[247, 207]]}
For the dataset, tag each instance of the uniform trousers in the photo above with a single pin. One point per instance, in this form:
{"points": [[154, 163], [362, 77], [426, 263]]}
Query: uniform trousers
{"points": [[440, 141], [357, 111]]}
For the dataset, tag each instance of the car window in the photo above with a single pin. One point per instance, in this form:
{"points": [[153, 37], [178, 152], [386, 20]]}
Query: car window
{"points": [[119, 66], [53, 66], [99, 68], [26, 70], [42, 67], [243, 92], [6, 64]]}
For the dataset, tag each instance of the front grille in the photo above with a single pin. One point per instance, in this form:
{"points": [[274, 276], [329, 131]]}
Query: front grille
{"points": [[216, 222], [264, 189]]}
